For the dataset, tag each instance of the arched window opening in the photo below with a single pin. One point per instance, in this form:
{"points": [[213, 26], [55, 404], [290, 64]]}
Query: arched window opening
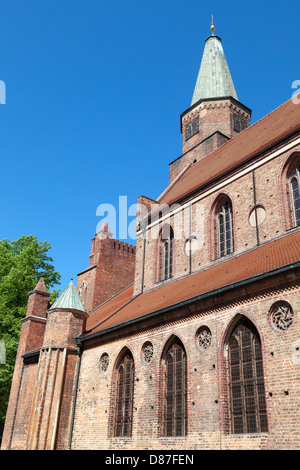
{"points": [[166, 252], [124, 397], [246, 380], [224, 229], [175, 391], [295, 195]]}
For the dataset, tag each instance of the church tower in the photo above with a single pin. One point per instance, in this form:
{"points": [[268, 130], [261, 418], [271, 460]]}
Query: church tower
{"points": [[215, 114]]}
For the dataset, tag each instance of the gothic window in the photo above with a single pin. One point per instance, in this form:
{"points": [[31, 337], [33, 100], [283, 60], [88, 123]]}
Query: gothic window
{"points": [[124, 396], [246, 379], [224, 229], [295, 196], [175, 391], [166, 252]]}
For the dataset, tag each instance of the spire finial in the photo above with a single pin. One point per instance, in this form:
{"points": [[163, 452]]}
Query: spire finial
{"points": [[212, 27]]}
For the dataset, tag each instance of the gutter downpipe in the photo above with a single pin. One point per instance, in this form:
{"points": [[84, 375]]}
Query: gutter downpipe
{"points": [[79, 353]]}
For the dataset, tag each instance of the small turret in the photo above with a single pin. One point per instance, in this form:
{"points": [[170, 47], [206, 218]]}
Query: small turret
{"points": [[52, 404]]}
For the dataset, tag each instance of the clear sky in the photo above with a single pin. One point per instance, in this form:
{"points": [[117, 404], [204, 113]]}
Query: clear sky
{"points": [[94, 93]]}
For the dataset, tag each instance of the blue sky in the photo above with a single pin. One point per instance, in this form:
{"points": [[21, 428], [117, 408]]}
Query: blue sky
{"points": [[94, 92]]}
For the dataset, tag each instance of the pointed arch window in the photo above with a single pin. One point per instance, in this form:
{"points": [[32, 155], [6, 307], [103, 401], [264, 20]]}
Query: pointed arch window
{"points": [[175, 391], [166, 253], [224, 229], [246, 380], [124, 396], [295, 196]]}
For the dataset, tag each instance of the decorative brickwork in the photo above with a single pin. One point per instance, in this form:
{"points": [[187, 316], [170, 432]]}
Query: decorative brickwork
{"points": [[184, 342]]}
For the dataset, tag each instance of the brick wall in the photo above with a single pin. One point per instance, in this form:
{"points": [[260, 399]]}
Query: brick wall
{"points": [[111, 270], [23, 383], [265, 185], [216, 125], [207, 377]]}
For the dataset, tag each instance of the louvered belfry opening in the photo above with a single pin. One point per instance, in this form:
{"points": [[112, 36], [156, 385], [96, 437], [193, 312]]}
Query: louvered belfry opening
{"points": [[124, 397], [175, 409], [246, 379]]}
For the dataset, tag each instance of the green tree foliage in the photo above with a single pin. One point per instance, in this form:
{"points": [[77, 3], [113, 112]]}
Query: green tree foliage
{"points": [[22, 263]]}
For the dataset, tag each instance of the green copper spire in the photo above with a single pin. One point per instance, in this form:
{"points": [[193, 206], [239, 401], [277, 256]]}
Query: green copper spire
{"points": [[69, 299], [214, 79]]}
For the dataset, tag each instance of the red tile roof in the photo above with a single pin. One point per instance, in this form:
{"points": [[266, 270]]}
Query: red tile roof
{"points": [[124, 307], [268, 130]]}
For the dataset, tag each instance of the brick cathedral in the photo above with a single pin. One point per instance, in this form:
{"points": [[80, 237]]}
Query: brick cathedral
{"points": [[190, 339]]}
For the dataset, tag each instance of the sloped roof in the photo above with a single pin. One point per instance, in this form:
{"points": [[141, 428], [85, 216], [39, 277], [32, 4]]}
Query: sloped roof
{"points": [[261, 135], [69, 299], [41, 286], [214, 78], [123, 308]]}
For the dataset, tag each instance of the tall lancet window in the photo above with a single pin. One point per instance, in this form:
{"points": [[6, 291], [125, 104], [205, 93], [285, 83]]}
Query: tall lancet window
{"points": [[246, 379], [166, 252], [224, 229], [295, 193], [175, 391], [124, 396]]}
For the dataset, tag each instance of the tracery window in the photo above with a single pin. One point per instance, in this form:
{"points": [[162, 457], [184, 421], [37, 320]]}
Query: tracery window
{"points": [[246, 380], [295, 196], [224, 229], [124, 396], [166, 252], [175, 391]]}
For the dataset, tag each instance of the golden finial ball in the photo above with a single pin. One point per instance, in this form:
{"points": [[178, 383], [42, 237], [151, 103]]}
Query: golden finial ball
{"points": [[212, 28]]}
